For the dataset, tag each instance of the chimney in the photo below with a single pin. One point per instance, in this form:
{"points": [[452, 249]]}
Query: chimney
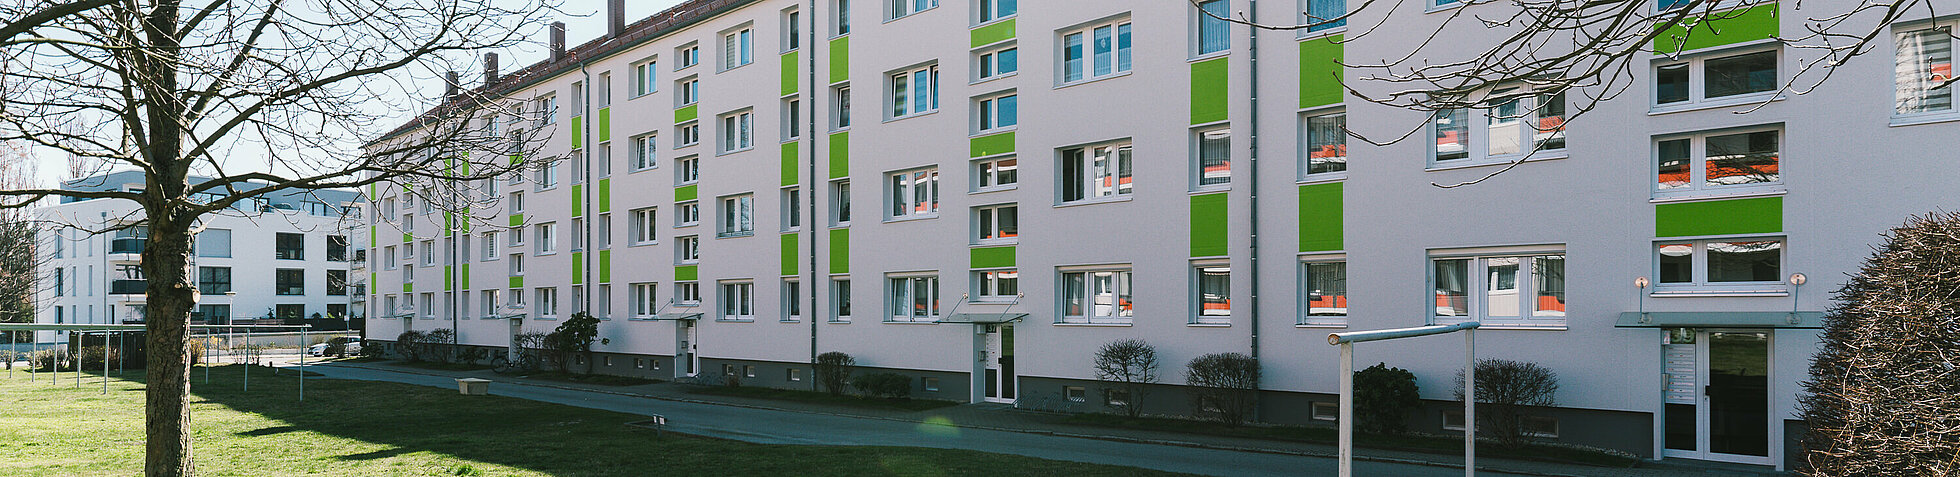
{"points": [[489, 68], [453, 84], [615, 18], [557, 41]]}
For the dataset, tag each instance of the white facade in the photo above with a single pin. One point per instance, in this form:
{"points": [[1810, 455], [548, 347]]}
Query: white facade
{"points": [[1546, 255]]}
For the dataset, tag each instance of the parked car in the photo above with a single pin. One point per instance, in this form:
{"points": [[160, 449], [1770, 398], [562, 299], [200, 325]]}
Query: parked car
{"points": [[353, 348]]}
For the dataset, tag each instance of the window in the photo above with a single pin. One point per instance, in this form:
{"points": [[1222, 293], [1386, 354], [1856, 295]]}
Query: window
{"points": [[841, 97], [737, 301], [737, 216], [517, 236], [999, 112], [213, 280], [748, 371], [645, 150], [793, 374], [292, 311], [217, 243], [792, 119], [1323, 293], [914, 298], [644, 226], [737, 48], [1729, 264], [1096, 296], [690, 91], [1498, 133], [408, 253], [687, 249], [688, 215], [645, 298], [643, 78], [1325, 14], [1925, 71], [687, 293], [1097, 51], [1095, 172], [428, 253], [1717, 163], [840, 203], [547, 175], [792, 30], [547, 238], [546, 109], [901, 8], [689, 171], [489, 242], [601, 162], [998, 63], [547, 303], [1212, 160], [489, 304], [792, 204], [1214, 33], [516, 264], [290, 246], [737, 131], [996, 174], [1323, 140], [577, 232], [690, 55], [1730, 77], [996, 224], [914, 91], [914, 194], [843, 18], [1325, 411], [1213, 293], [213, 314], [840, 300], [336, 248], [517, 201], [991, 10], [1075, 393], [997, 285], [337, 282], [289, 281], [388, 257], [792, 299], [1487, 289], [408, 225], [690, 134]]}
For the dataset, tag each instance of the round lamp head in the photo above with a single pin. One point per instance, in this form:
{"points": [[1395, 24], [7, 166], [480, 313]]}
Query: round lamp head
{"points": [[1640, 283], [1798, 279]]}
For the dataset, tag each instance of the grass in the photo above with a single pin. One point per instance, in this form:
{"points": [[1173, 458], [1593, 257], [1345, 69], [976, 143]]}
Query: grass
{"points": [[388, 429], [1323, 435], [822, 398], [440, 366]]}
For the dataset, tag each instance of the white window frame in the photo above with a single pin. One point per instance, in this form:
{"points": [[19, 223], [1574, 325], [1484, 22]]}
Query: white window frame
{"points": [[687, 293], [1904, 106], [840, 107], [547, 303], [1478, 124], [840, 203], [687, 92], [840, 18], [489, 244], [687, 249], [645, 297], [689, 54], [1307, 295], [735, 300], [1697, 63], [645, 77], [687, 213], [737, 131], [1198, 314], [1118, 28], [904, 185], [902, 287], [989, 61], [986, 225], [1197, 171], [1479, 292], [1700, 284], [735, 216], [490, 304], [646, 152], [987, 113], [792, 112], [547, 240], [517, 236], [987, 285], [1200, 23], [905, 8], [1120, 275], [840, 302], [987, 173], [737, 47], [1697, 185], [1117, 151], [1307, 137], [791, 205], [688, 170], [902, 95], [646, 226], [990, 11], [792, 295], [792, 27]]}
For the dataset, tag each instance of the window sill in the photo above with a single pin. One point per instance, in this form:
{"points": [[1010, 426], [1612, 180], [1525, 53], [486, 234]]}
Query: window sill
{"points": [[999, 19], [985, 190], [1924, 118], [1080, 82], [723, 235], [735, 320], [685, 263], [1507, 326], [1322, 178], [1095, 325], [840, 225], [839, 321], [738, 150], [643, 244], [733, 68], [997, 77], [996, 130], [1724, 102], [993, 243], [1321, 33], [1095, 201], [1207, 56], [910, 218], [1308, 326], [1718, 293], [1208, 325], [1468, 164], [910, 116], [547, 318], [544, 254], [685, 146], [643, 318], [643, 169], [1433, 8], [1210, 189], [1672, 198], [893, 322], [687, 225]]}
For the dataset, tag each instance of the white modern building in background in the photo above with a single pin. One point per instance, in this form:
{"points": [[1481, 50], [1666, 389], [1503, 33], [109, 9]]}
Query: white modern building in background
{"points": [[286, 256], [737, 186]]}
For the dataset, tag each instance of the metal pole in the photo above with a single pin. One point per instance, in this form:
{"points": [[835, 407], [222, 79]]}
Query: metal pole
{"points": [[247, 380], [105, 362], [122, 352], [1346, 419], [77, 356], [302, 364], [1470, 402]]}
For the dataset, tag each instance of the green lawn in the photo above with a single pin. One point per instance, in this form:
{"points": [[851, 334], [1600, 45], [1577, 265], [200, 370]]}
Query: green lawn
{"points": [[1328, 435], [371, 429]]}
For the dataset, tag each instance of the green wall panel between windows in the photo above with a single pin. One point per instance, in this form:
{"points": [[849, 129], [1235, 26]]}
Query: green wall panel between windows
{"points": [[516, 219], [408, 287], [687, 273], [687, 192], [1321, 216], [449, 224], [516, 159], [374, 283], [983, 146], [448, 278], [578, 268], [517, 282], [578, 200], [1719, 217], [374, 237], [991, 257], [1210, 83], [789, 254], [686, 114], [1320, 71], [1756, 22], [995, 33], [466, 277], [840, 155], [605, 126], [840, 250], [578, 132], [605, 195], [408, 238], [791, 151], [789, 71], [840, 59], [605, 266], [1209, 225]]}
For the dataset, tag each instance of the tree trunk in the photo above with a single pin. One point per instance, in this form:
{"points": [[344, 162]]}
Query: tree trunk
{"points": [[169, 297]]}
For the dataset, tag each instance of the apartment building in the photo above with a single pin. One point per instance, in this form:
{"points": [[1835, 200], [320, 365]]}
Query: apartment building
{"points": [[287, 255], [741, 185]]}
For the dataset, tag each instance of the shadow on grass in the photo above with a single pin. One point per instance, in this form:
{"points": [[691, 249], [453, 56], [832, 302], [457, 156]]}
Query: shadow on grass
{"points": [[266, 431]]}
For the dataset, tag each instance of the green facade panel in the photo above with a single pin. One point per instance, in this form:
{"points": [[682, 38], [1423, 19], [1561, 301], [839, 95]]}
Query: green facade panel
{"points": [[789, 71], [578, 200], [408, 237], [1321, 72], [604, 194], [448, 278], [578, 132], [517, 282], [516, 219], [687, 273], [983, 146], [689, 113], [840, 155], [604, 125], [840, 59], [408, 287], [578, 268], [1755, 22], [791, 151], [1210, 223], [1719, 217], [991, 257], [993, 33], [466, 276], [789, 250], [605, 266], [1321, 216], [1210, 83], [840, 250], [374, 237], [687, 192]]}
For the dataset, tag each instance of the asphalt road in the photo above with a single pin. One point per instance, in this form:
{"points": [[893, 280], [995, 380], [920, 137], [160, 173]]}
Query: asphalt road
{"points": [[781, 427]]}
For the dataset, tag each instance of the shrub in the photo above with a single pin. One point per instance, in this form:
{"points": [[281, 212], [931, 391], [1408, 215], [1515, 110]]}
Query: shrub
{"points": [[833, 370], [439, 345], [409, 345], [1224, 384], [884, 385], [1506, 388], [1880, 400], [1383, 397], [336, 347], [574, 337], [1130, 366]]}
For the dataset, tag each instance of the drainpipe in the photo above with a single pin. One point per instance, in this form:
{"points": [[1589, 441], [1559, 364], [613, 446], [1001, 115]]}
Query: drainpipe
{"points": [[1252, 182], [585, 193], [810, 183]]}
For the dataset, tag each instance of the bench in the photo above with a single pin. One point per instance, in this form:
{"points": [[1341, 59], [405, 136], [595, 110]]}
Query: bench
{"points": [[473, 386]]}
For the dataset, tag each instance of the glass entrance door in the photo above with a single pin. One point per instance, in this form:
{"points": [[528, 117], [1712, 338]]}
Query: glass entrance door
{"points": [[1717, 396]]}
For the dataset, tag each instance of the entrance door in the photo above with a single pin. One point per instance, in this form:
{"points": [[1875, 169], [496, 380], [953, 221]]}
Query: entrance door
{"points": [[686, 363], [999, 364], [1717, 398]]}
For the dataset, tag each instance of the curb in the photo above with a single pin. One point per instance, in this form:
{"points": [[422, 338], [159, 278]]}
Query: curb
{"points": [[1100, 437]]}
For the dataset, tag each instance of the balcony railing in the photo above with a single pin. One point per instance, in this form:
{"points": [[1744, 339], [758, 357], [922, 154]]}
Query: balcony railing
{"points": [[127, 245], [128, 287]]}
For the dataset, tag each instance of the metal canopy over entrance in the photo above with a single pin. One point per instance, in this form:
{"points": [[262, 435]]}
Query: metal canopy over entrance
{"points": [[1721, 319], [676, 317], [983, 318]]}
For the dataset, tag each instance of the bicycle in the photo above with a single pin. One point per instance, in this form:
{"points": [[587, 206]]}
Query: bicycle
{"points": [[503, 365]]}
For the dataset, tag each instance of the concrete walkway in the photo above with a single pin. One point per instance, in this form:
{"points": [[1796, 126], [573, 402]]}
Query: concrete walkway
{"points": [[983, 427]]}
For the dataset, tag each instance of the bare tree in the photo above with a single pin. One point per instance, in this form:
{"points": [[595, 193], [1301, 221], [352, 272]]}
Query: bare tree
{"points": [[1584, 52], [1130, 367], [19, 251], [172, 90]]}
